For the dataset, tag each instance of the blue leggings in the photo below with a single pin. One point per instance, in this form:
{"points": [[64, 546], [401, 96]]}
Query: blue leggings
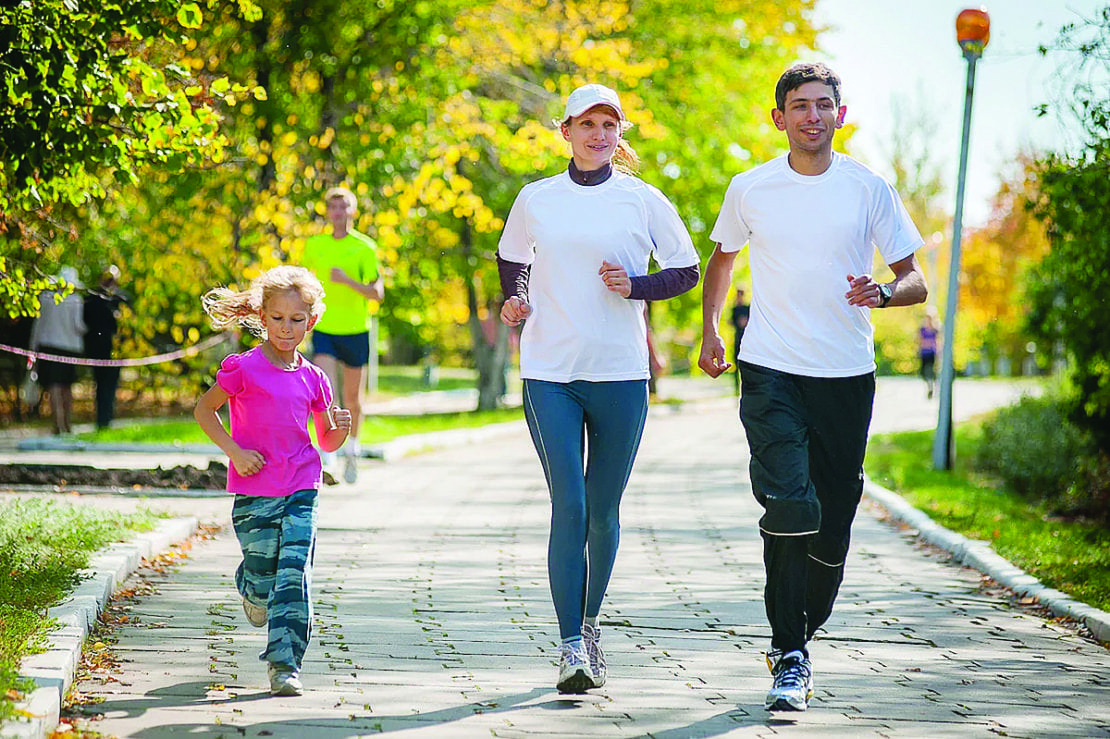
{"points": [[567, 420], [278, 539]]}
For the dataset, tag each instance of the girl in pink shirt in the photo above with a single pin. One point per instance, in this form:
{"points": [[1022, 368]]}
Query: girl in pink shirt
{"points": [[275, 472]]}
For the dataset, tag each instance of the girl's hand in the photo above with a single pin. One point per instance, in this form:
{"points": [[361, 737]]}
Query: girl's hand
{"points": [[247, 462], [514, 310], [340, 418], [616, 279]]}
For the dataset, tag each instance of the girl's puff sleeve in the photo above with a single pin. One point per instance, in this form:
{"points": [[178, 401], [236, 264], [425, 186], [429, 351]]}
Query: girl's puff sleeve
{"points": [[323, 398], [230, 375]]}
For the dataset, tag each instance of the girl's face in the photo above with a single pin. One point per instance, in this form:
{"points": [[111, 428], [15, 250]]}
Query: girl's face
{"points": [[593, 137], [287, 319]]}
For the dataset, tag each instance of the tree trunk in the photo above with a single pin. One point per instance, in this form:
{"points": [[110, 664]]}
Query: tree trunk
{"points": [[490, 357]]}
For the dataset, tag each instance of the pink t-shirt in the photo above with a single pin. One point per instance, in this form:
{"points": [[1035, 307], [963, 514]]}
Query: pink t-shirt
{"points": [[270, 411]]}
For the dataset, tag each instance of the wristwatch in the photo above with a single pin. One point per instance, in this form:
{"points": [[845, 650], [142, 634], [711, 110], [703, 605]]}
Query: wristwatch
{"points": [[885, 294]]}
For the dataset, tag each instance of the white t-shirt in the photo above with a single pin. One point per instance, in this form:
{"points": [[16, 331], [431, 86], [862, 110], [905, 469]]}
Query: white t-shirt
{"points": [[806, 234], [578, 330]]}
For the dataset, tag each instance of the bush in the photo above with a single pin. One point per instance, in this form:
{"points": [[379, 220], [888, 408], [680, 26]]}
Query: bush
{"points": [[1034, 448]]}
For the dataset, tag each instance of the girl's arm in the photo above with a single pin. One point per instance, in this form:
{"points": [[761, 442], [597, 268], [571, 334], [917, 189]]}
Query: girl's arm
{"points": [[332, 427], [246, 461]]}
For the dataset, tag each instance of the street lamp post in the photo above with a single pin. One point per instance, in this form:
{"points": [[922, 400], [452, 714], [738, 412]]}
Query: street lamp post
{"points": [[973, 32]]}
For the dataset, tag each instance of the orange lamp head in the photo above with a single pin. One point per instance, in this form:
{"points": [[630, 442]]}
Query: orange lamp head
{"points": [[973, 29]]}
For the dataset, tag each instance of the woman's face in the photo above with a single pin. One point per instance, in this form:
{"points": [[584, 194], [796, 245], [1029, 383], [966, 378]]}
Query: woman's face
{"points": [[593, 137]]}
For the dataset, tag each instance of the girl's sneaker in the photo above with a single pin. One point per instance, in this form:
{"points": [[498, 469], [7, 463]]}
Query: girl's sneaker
{"points": [[284, 680], [255, 614], [591, 639], [574, 669]]}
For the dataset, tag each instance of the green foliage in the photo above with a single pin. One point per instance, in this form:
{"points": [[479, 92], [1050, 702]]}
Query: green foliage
{"points": [[92, 95], [1033, 448], [43, 547], [1070, 555], [1069, 291]]}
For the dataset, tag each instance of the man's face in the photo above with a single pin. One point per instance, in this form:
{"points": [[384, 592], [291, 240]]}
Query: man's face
{"points": [[810, 117], [337, 212]]}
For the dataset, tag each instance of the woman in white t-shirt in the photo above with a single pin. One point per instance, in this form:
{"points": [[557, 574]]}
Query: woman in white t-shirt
{"points": [[573, 260]]}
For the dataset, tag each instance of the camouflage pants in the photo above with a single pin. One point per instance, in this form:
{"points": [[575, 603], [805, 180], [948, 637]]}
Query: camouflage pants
{"points": [[278, 539]]}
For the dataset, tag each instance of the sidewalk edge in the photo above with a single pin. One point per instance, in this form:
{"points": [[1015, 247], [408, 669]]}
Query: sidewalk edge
{"points": [[54, 669], [979, 555]]}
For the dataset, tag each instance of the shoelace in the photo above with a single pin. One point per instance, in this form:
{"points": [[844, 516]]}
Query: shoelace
{"points": [[568, 654], [793, 674], [591, 638]]}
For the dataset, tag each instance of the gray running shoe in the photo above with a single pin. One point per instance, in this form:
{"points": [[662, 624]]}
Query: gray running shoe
{"points": [[574, 669], [284, 681], [793, 683], [591, 639]]}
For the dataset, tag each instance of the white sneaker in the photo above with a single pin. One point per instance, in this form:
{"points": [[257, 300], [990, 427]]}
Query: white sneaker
{"points": [[350, 470], [255, 614], [591, 639], [284, 681], [793, 683], [574, 669]]}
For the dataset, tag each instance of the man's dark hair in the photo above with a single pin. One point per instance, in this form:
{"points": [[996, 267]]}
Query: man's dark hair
{"points": [[800, 74]]}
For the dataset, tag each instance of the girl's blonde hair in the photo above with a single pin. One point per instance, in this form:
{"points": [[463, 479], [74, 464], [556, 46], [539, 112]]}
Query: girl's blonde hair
{"points": [[625, 158], [227, 307]]}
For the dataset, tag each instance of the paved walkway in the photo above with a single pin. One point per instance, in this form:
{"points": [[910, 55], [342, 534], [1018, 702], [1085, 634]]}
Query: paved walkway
{"points": [[434, 617]]}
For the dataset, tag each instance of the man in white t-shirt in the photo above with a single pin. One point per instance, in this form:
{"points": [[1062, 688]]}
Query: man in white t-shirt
{"points": [[812, 220]]}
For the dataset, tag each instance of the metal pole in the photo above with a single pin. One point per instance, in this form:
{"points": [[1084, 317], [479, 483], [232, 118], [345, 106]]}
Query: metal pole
{"points": [[944, 443]]}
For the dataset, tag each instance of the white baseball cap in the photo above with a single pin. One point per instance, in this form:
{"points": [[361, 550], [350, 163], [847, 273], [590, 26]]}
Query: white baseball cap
{"points": [[587, 96]]}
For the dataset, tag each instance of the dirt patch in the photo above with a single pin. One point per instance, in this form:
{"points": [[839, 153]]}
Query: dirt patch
{"points": [[184, 477]]}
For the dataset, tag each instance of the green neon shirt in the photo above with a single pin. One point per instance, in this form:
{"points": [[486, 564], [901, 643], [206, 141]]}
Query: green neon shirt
{"points": [[357, 255]]}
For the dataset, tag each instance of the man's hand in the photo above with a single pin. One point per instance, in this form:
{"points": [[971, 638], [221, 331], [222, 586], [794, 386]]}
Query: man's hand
{"points": [[863, 291], [514, 310], [712, 358]]}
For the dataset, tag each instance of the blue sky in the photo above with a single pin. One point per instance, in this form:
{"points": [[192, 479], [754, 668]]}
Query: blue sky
{"points": [[904, 52]]}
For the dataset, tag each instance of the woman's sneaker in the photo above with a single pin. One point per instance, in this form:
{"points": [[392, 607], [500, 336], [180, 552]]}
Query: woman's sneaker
{"points": [[591, 639], [792, 685], [574, 669], [284, 680], [255, 614]]}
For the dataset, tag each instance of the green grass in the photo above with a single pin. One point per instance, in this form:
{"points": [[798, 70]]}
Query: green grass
{"points": [[43, 546], [1071, 556]]}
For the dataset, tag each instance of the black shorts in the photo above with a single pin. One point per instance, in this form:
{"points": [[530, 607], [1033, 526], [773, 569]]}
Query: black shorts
{"points": [[56, 373], [352, 350]]}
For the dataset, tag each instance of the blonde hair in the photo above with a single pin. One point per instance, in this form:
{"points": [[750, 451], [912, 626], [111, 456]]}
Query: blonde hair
{"points": [[625, 158], [227, 307], [343, 193]]}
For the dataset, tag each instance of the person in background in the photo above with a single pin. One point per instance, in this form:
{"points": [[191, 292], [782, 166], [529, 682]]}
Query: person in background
{"points": [[60, 330], [102, 306], [573, 260], [346, 263], [738, 317], [927, 351]]}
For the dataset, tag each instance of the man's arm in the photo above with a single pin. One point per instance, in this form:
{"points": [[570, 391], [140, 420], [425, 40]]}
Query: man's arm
{"points": [[370, 290], [718, 277], [907, 288]]}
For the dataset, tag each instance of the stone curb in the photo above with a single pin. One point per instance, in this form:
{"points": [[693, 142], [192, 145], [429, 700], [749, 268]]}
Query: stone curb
{"points": [[979, 555], [53, 670]]}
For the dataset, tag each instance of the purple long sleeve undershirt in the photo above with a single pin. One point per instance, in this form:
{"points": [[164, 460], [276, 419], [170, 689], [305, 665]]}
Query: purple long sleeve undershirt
{"points": [[661, 285]]}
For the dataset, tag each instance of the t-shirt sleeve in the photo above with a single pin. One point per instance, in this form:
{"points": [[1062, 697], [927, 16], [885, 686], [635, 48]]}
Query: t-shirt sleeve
{"points": [[890, 227], [230, 375], [516, 245], [672, 244], [323, 398], [730, 230], [369, 267]]}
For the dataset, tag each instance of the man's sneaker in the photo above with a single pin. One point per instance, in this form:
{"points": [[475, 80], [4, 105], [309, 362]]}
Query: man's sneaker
{"points": [[284, 680], [773, 656], [591, 639], [574, 669], [793, 683], [255, 614], [350, 469]]}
